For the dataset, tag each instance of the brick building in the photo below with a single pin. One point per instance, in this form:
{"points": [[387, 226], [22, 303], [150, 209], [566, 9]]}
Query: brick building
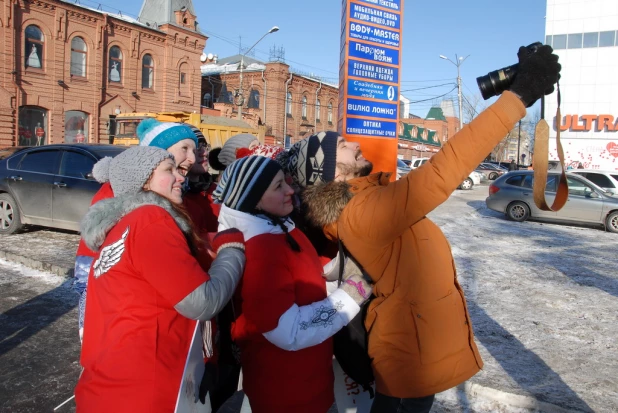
{"points": [[288, 103], [420, 137], [66, 69]]}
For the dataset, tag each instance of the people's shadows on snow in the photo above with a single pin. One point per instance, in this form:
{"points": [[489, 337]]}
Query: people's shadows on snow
{"points": [[538, 378], [25, 320]]}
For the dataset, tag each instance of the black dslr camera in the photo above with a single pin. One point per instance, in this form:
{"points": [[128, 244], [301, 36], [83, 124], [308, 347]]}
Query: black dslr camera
{"points": [[496, 82]]}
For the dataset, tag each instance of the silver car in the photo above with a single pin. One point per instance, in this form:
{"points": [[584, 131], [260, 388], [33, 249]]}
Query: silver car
{"points": [[511, 194], [607, 180]]}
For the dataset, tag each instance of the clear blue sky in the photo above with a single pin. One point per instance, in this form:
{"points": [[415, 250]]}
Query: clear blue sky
{"points": [[490, 31]]}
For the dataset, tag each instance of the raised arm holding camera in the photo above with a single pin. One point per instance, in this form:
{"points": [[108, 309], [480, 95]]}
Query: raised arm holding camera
{"points": [[420, 335]]}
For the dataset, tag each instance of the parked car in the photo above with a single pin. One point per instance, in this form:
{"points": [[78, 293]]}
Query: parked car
{"points": [[402, 168], [511, 194], [607, 180], [473, 179], [490, 171], [418, 162], [49, 185], [407, 162]]}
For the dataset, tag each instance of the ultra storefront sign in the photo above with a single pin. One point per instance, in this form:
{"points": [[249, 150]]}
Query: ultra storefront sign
{"points": [[584, 123]]}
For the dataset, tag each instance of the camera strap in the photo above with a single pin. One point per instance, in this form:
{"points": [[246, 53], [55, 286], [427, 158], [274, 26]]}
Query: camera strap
{"points": [[540, 162]]}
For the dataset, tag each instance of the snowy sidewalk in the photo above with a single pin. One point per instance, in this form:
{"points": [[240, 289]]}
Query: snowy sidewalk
{"points": [[543, 300]]}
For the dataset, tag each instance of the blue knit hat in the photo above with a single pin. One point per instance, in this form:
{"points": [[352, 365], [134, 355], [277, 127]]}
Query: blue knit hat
{"points": [[244, 182], [151, 132]]}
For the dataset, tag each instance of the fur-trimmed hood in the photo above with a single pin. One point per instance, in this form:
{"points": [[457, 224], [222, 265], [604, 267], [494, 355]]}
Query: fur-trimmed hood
{"points": [[105, 214], [322, 204]]}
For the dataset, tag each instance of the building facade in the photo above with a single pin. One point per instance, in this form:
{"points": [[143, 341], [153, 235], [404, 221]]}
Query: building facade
{"points": [[291, 105], [585, 37], [67, 70]]}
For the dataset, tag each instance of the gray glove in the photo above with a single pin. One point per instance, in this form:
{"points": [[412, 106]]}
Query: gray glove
{"points": [[536, 75], [355, 284]]}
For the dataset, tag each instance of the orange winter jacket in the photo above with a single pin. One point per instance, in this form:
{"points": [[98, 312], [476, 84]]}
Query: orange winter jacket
{"points": [[420, 336]]}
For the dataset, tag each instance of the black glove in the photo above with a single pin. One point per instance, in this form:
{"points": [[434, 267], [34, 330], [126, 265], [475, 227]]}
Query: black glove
{"points": [[209, 380], [536, 75]]}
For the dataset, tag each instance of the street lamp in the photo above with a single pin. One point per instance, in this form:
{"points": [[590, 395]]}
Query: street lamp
{"points": [[459, 61], [242, 62]]}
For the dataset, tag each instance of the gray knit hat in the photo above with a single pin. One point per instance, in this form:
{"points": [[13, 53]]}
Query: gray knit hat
{"points": [[128, 171], [228, 152]]}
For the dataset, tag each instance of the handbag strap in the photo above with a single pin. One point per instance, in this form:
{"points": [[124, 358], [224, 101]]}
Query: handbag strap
{"points": [[342, 255], [540, 162]]}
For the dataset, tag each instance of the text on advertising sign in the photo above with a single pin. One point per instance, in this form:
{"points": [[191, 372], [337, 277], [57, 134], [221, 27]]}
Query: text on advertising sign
{"points": [[371, 90], [374, 34], [375, 16], [375, 128], [375, 53], [373, 71], [389, 4]]}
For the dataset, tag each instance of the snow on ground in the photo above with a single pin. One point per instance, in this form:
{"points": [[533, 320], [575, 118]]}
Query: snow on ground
{"points": [[544, 304], [8, 270]]}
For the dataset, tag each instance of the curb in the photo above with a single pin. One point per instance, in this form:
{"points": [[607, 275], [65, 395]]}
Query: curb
{"points": [[37, 265]]}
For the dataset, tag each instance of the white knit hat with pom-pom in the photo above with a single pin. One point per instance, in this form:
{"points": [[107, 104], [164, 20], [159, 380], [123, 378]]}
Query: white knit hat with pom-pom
{"points": [[128, 171]]}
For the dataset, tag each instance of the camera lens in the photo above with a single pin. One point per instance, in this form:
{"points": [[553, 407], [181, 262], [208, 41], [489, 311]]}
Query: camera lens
{"points": [[496, 82]]}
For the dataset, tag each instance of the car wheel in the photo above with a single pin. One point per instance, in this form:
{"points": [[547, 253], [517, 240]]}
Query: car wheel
{"points": [[467, 184], [10, 221], [518, 211], [611, 222], [493, 176]]}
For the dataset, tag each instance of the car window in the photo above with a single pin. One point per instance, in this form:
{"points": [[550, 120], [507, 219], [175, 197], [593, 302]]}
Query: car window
{"points": [[401, 164], [515, 180], [600, 179], [40, 161], [13, 162], [552, 181], [424, 161], [76, 165], [615, 177], [577, 187]]}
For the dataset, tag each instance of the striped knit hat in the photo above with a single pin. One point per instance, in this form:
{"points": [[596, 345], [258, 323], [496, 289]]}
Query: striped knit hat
{"points": [[311, 160], [244, 182], [198, 134], [151, 132]]}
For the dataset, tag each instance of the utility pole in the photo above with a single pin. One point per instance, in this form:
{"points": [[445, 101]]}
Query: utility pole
{"points": [[459, 61], [518, 143], [241, 99]]}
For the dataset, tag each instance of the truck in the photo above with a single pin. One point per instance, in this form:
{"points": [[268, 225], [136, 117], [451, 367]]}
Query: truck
{"points": [[216, 129]]}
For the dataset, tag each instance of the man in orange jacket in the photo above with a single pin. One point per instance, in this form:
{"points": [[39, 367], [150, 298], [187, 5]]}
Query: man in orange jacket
{"points": [[420, 336]]}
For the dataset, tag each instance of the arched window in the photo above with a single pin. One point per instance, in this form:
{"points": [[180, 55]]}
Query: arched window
{"points": [[34, 47], [317, 110], [147, 72], [254, 99], [115, 65], [207, 99], [304, 108], [79, 53], [75, 126], [184, 82], [330, 112], [288, 103]]}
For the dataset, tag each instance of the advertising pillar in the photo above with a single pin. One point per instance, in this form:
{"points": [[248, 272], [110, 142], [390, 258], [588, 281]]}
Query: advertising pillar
{"points": [[369, 78]]}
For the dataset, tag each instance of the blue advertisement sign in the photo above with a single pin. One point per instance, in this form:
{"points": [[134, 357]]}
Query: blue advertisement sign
{"points": [[374, 16], [375, 53], [372, 90], [378, 35], [375, 128], [368, 108], [387, 4], [373, 71]]}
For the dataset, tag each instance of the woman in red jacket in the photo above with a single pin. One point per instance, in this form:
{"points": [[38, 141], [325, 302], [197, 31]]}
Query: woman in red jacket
{"points": [[284, 321], [146, 289]]}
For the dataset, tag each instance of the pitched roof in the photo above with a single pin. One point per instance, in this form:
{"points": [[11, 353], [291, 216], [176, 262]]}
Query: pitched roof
{"points": [[435, 113], [162, 11]]}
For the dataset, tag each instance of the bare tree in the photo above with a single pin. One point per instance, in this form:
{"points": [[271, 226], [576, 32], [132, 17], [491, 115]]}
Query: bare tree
{"points": [[472, 106]]}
